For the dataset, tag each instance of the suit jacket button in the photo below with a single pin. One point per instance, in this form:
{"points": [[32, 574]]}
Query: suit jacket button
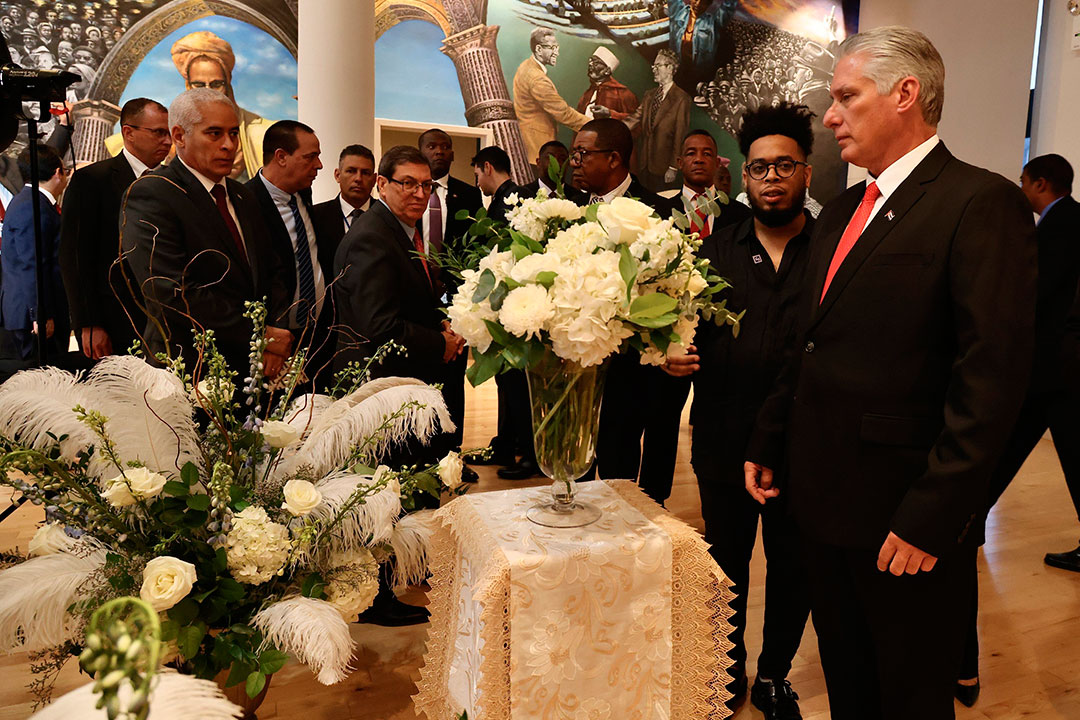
{"points": [[810, 346]]}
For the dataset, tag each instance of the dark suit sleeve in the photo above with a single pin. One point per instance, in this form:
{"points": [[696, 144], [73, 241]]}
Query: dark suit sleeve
{"points": [[82, 269], [368, 296], [992, 285], [153, 241]]}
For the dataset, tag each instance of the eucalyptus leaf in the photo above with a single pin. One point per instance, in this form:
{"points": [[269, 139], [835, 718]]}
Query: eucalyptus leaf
{"points": [[498, 295], [484, 286]]}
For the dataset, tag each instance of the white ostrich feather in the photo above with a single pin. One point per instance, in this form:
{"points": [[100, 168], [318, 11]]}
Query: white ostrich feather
{"points": [[35, 596], [150, 416], [305, 411], [313, 632], [411, 540], [34, 403], [372, 521], [329, 445], [172, 697]]}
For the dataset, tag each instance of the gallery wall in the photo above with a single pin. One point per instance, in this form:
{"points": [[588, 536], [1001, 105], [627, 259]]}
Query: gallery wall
{"points": [[1057, 95]]}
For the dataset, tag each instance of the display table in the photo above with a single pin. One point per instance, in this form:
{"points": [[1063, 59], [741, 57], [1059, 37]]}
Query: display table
{"points": [[623, 619]]}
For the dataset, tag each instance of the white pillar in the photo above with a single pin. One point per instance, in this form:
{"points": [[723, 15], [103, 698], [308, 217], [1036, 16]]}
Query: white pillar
{"points": [[336, 79]]}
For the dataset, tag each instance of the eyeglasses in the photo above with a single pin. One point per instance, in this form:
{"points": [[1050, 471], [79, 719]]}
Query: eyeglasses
{"points": [[213, 84], [577, 155], [784, 168], [549, 46], [410, 186], [159, 133]]}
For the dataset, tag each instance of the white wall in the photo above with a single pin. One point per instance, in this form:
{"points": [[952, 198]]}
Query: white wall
{"points": [[987, 46], [1056, 119]]}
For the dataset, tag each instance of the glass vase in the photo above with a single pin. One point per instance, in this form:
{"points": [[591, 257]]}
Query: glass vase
{"points": [[565, 402]]}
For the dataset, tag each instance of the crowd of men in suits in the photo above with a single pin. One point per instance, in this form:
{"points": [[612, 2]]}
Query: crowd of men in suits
{"points": [[877, 402]]}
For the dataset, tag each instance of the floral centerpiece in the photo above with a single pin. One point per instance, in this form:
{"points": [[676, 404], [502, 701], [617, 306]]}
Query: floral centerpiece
{"points": [[559, 290], [253, 521]]}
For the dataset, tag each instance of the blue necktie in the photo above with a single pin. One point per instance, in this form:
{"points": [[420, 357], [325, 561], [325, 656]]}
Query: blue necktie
{"points": [[304, 272]]}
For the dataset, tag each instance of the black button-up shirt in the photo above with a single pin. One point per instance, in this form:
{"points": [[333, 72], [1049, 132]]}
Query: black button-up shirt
{"points": [[737, 374]]}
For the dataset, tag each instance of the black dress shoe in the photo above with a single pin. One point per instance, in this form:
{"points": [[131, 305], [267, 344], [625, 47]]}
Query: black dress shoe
{"points": [[967, 694], [737, 688], [1066, 560], [521, 470], [495, 455], [469, 475], [391, 612], [775, 699]]}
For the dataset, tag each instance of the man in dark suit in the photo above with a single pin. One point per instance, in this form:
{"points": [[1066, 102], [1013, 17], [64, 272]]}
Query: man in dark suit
{"points": [[544, 178], [283, 190], [443, 232], [105, 310], [355, 175], [491, 166], [764, 258], [197, 245], [18, 285], [915, 352], [699, 163], [663, 119], [600, 162]]}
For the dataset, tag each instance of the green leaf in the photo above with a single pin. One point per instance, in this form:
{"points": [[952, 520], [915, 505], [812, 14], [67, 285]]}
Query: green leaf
{"points": [[656, 322], [189, 474], [198, 502], [169, 630], [313, 586], [515, 355], [484, 287], [230, 590], [221, 560], [175, 488], [627, 269], [512, 284], [484, 366], [520, 250], [660, 340], [546, 278], [237, 673], [172, 516], [498, 295], [651, 305], [270, 661], [189, 638], [256, 681], [461, 215], [498, 333], [184, 611]]}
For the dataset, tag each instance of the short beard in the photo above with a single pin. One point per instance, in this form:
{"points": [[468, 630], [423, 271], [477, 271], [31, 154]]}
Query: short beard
{"points": [[778, 217]]}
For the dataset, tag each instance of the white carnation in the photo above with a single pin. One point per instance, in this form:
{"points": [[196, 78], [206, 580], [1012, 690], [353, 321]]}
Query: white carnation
{"points": [[134, 485], [450, 468], [301, 497], [256, 547], [525, 311], [279, 434], [166, 581], [558, 208], [49, 539]]}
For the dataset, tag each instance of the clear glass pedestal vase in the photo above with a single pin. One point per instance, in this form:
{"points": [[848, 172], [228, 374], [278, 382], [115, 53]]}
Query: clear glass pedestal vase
{"points": [[565, 403]]}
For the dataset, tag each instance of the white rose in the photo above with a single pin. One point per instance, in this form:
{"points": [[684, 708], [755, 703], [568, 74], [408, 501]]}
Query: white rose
{"points": [[279, 434], [625, 219], [134, 485], [450, 470], [525, 310], [166, 581], [301, 497], [49, 539]]}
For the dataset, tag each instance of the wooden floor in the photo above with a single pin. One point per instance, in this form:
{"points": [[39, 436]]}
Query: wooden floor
{"points": [[1030, 623]]}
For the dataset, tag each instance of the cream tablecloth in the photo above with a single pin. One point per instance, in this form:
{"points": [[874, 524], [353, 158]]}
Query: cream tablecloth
{"points": [[624, 619]]}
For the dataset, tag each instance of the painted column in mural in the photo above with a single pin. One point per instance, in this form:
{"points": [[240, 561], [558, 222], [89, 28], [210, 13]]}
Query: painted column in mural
{"points": [[487, 99], [94, 121]]}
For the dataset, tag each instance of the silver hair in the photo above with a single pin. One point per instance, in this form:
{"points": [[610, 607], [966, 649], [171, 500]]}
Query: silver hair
{"points": [[670, 56], [186, 109], [536, 37], [894, 52]]}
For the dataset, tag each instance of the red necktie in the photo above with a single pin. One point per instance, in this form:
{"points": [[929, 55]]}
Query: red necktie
{"points": [[418, 241], [851, 233], [218, 191], [701, 225]]}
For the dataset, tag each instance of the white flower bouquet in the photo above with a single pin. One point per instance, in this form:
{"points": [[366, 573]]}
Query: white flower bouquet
{"points": [[586, 282], [253, 522]]}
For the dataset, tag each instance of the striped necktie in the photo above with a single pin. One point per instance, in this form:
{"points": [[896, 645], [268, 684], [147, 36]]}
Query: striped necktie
{"points": [[305, 273]]}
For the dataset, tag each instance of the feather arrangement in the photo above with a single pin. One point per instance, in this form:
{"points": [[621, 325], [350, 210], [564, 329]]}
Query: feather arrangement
{"points": [[35, 596], [304, 412], [149, 414], [410, 540], [313, 632], [367, 523], [173, 697], [37, 403]]}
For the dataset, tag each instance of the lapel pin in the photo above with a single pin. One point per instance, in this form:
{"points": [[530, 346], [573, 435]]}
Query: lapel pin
{"points": [[756, 259], [889, 215]]}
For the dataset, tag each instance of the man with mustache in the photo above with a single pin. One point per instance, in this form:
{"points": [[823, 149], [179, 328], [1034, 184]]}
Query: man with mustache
{"points": [[355, 175]]}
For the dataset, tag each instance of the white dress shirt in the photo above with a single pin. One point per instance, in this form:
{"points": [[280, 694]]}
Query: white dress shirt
{"points": [[689, 194], [137, 166], [619, 191], [892, 176], [208, 183], [347, 210], [442, 187], [281, 202]]}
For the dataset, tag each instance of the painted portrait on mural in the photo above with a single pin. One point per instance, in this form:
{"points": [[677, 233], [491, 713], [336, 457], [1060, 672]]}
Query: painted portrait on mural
{"points": [[565, 61], [122, 49]]}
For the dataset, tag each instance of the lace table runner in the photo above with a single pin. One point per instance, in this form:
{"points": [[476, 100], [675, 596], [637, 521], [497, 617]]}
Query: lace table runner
{"points": [[624, 618]]}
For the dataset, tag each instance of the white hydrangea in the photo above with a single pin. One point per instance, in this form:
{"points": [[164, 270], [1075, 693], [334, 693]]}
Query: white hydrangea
{"points": [[578, 240], [352, 581], [587, 340], [527, 268], [467, 318], [256, 547], [526, 310], [499, 263]]}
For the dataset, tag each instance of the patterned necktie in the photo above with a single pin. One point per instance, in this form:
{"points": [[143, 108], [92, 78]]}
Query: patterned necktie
{"points": [[305, 273], [435, 221], [851, 234], [218, 191], [699, 222], [418, 243]]}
